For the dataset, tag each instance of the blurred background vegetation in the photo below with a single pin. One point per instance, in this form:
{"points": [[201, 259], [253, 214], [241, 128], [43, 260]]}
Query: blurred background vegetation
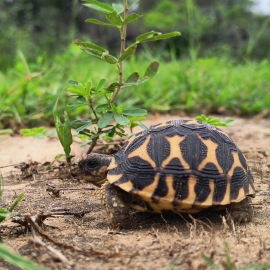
{"points": [[220, 63]]}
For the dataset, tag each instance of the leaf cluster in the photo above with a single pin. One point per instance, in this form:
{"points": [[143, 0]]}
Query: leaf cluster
{"points": [[107, 117], [217, 122]]}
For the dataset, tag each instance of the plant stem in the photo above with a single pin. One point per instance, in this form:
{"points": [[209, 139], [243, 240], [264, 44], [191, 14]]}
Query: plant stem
{"points": [[122, 50], [94, 141], [93, 144]]}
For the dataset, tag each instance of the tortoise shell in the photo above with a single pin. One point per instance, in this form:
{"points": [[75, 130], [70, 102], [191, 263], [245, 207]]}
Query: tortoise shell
{"points": [[182, 165]]}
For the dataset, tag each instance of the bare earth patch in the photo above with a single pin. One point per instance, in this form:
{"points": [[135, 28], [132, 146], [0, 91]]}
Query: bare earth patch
{"points": [[151, 241]]}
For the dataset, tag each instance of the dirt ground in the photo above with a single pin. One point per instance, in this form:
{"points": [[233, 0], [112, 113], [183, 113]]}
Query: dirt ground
{"points": [[151, 241]]}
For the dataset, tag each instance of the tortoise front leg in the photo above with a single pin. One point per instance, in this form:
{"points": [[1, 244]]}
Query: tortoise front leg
{"points": [[241, 211], [114, 200]]}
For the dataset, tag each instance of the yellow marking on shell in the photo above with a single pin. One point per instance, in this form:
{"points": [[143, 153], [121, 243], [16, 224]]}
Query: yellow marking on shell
{"points": [[156, 208], [251, 190], [114, 204], [147, 192], [209, 200], [167, 200], [142, 153], [188, 202], [211, 155], [235, 164], [127, 186], [114, 177], [112, 165], [138, 207], [227, 195], [175, 151], [241, 195]]}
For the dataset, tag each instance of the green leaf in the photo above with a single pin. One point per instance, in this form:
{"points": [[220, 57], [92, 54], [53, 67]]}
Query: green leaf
{"points": [[80, 124], [129, 51], [57, 157], [100, 85], [94, 21], [117, 109], [121, 119], [135, 112], [19, 198], [142, 125], [4, 214], [17, 260], [146, 35], [76, 105], [133, 78], [112, 132], [130, 18], [101, 108], [93, 47], [121, 129], [88, 87], [80, 90], [159, 36], [63, 130], [67, 135], [150, 72], [39, 132], [72, 82], [109, 58], [114, 18], [96, 55], [210, 262], [98, 6], [214, 121], [74, 91], [118, 7], [137, 118], [112, 86], [105, 120], [134, 121]]}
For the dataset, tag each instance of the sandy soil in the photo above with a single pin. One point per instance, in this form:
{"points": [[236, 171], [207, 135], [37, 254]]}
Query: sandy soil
{"points": [[151, 241]]}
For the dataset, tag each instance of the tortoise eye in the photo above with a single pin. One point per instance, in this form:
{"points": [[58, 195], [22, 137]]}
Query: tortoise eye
{"points": [[91, 164]]}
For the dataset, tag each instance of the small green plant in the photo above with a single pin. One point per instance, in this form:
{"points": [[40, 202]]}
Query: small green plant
{"points": [[39, 132], [217, 122], [108, 118], [63, 131], [5, 213], [5, 252], [229, 265]]}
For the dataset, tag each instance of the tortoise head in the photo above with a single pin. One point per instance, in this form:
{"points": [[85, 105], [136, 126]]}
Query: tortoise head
{"points": [[94, 168]]}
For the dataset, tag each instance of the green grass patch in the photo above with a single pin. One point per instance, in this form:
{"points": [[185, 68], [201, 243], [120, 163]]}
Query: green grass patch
{"points": [[29, 91]]}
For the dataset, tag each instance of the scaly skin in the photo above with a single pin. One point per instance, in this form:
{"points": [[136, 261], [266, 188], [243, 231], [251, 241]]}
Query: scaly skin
{"points": [[241, 211], [114, 201]]}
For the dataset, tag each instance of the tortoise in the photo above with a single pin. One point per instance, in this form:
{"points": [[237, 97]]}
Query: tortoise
{"points": [[181, 166]]}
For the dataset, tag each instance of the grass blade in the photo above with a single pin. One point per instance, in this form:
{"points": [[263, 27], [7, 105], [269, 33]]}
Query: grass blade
{"points": [[17, 260]]}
